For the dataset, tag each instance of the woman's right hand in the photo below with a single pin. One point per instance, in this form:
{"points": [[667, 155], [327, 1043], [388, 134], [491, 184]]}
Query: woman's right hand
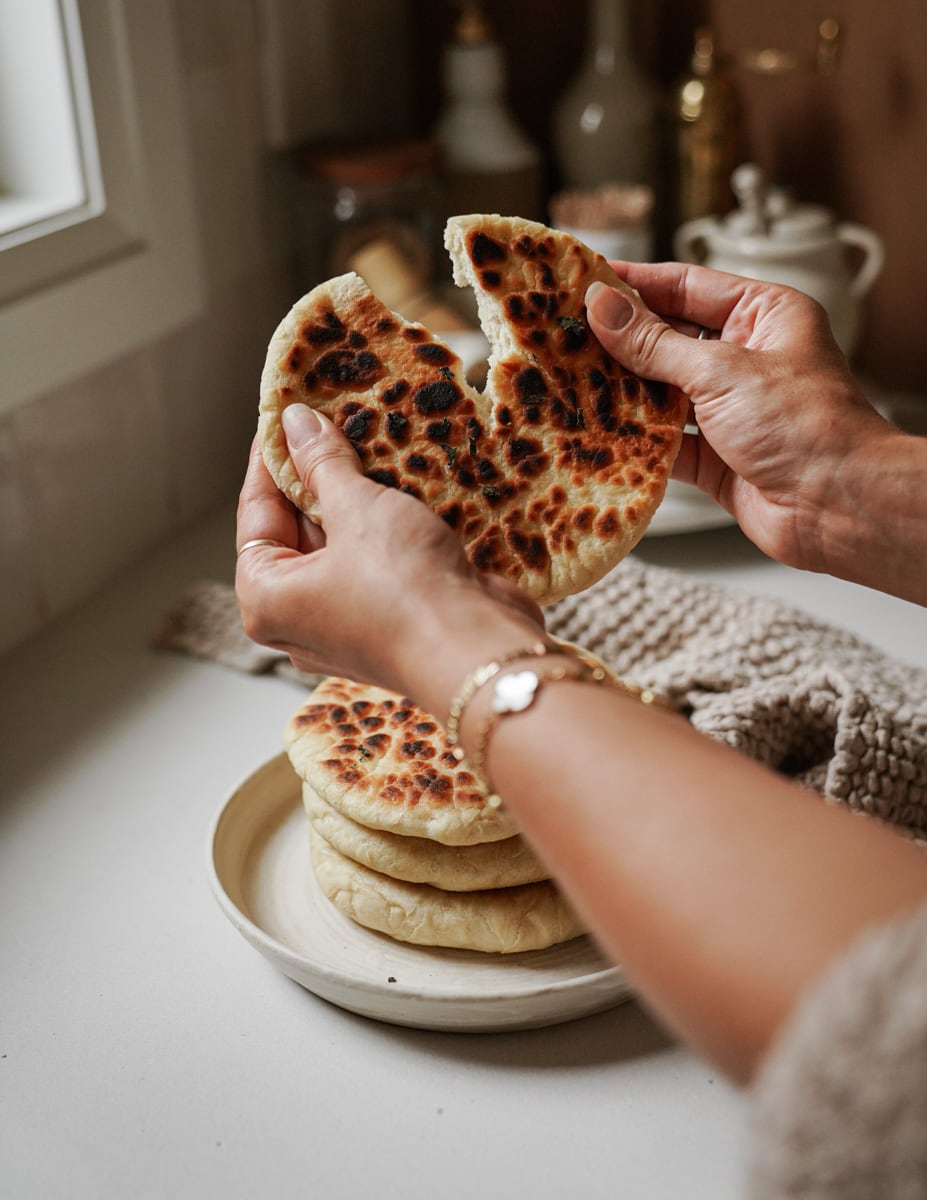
{"points": [[784, 430]]}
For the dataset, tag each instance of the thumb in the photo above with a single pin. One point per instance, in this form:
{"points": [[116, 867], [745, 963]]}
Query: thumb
{"points": [[324, 459], [639, 339]]}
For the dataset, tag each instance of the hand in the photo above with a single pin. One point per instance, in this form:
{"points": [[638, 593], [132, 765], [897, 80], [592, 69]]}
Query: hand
{"points": [[379, 593], [781, 420]]}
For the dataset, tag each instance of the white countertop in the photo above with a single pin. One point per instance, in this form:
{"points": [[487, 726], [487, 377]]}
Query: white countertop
{"points": [[147, 1051]]}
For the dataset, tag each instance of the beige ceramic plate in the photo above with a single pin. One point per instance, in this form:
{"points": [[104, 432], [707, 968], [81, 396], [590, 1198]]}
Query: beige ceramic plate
{"points": [[259, 869]]}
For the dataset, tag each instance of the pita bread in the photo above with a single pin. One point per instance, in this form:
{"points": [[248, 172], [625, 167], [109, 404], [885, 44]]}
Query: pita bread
{"points": [[507, 863], [503, 921], [385, 763], [551, 475]]}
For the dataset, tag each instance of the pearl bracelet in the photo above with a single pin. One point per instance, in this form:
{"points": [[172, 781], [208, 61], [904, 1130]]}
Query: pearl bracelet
{"points": [[475, 680], [515, 691]]}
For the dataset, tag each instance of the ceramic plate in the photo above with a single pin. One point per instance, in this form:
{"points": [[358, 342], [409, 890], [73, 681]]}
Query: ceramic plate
{"points": [[258, 862]]}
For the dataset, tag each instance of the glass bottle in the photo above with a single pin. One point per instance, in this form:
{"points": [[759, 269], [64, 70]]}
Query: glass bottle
{"points": [[605, 127]]}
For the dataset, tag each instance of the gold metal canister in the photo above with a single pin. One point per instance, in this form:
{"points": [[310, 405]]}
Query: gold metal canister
{"points": [[707, 134]]}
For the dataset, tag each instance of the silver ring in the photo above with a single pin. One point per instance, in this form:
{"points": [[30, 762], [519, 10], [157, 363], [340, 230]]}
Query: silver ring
{"points": [[708, 335], [261, 542]]}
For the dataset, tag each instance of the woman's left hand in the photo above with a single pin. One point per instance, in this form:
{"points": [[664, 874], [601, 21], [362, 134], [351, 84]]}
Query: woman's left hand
{"points": [[382, 590]]}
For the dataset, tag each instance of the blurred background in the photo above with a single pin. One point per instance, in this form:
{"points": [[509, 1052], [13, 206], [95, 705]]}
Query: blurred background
{"points": [[230, 154]]}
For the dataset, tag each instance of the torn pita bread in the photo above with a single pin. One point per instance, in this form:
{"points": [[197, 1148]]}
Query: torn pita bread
{"points": [[552, 474]]}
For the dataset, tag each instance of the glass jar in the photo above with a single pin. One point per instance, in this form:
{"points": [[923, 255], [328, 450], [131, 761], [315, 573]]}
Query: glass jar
{"points": [[352, 196]]}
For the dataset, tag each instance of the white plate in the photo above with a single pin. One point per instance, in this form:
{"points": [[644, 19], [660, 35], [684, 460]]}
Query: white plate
{"points": [[684, 509], [258, 862]]}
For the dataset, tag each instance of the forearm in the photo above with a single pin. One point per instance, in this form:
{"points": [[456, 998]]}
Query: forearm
{"points": [[723, 889], [873, 528]]}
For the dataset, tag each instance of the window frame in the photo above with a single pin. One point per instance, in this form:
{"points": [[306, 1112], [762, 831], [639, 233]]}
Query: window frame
{"points": [[120, 269]]}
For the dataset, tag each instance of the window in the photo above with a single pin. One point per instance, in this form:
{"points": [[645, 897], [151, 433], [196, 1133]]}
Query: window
{"points": [[97, 233], [48, 161]]}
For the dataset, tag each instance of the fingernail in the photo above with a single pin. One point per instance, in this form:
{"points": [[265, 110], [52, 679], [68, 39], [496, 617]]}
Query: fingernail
{"points": [[612, 309], [300, 424]]}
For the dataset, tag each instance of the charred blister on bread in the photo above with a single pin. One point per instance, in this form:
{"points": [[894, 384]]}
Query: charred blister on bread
{"points": [[378, 755], [559, 419]]}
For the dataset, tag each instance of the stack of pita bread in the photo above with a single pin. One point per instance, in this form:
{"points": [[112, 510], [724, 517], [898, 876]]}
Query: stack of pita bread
{"points": [[404, 839]]}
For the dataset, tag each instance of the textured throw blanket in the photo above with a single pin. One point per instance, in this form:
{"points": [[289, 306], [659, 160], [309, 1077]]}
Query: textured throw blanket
{"points": [[808, 699]]}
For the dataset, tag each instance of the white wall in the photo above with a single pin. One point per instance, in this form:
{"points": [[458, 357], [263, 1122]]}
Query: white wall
{"points": [[94, 474]]}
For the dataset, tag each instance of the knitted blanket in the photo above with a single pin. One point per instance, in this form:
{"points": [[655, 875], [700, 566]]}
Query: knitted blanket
{"points": [[807, 698]]}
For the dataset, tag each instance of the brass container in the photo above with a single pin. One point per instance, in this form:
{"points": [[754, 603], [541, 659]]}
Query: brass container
{"points": [[706, 135]]}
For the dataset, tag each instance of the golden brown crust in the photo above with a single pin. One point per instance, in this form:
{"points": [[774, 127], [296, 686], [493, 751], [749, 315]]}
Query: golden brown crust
{"points": [[385, 763], [498, 921], [552, 474], [505, 863]]}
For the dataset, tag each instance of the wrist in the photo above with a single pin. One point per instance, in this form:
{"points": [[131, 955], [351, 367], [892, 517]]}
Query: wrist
{"points": [[511, 684], [871, 525], [456, 630]]}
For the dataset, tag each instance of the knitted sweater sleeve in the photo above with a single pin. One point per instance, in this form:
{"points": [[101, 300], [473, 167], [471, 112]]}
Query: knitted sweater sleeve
{"points": [[840, 1106]]}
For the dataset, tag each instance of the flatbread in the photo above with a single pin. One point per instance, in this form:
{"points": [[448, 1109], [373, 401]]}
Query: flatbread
{"points": [[506, 863], [552, 474], [501, 921], [385, 763]]}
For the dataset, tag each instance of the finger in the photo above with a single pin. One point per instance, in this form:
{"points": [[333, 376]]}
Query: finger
{"points": [[685, 465], [326, 462], [311, 536], [641, 341], [701, 295], [698, 464], [263, 510], [689, 328], [512, 595]]}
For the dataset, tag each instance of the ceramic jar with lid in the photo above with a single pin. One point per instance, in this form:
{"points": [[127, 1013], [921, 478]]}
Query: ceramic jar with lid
{"points": [[771, 237]]}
